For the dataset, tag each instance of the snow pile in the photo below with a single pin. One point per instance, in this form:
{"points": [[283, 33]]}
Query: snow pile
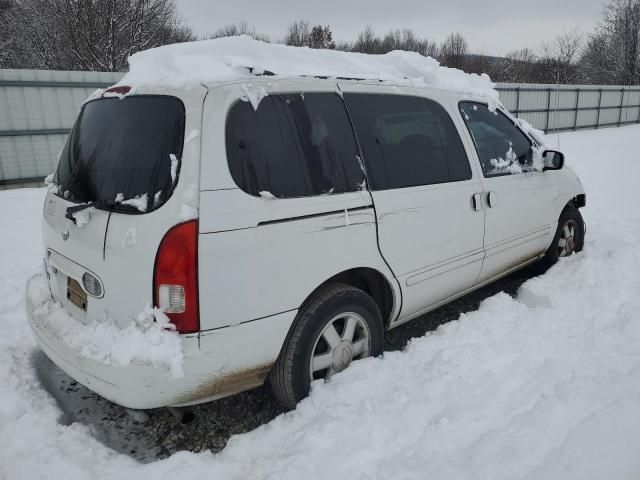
{"points": [[129, 239], [83, 216], [510, 163], [537, 135], [231, 58], [267, 195], [189, 208], [174, 168], [542, 386], [139, 201], [149, 339], [253, 95]]}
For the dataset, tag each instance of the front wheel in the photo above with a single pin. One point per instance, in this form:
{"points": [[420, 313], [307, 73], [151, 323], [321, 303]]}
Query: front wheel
{"points": [[569, 237], [339, 325]]}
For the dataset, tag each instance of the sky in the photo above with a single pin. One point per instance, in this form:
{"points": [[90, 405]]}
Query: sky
{"points": [[492, 27]]}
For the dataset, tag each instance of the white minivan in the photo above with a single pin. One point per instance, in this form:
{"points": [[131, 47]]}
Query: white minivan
{"points": [[283, 233]]}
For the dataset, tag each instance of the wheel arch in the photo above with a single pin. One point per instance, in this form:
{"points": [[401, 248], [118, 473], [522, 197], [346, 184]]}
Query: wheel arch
{"points": [[369, 280], [578, 202]]}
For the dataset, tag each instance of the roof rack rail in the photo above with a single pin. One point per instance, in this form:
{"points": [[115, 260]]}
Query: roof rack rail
{"points": [[269, 73]]}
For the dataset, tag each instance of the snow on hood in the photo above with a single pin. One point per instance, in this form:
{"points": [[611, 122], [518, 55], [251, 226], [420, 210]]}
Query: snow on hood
{"points": [[230, 58]]}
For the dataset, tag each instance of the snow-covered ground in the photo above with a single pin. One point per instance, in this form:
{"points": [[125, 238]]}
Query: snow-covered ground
{"points": [[545, 385]]}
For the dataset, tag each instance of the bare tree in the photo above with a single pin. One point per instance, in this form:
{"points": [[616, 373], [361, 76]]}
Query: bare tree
{"points": [[599, 62], [92, 34], [7, 35], [559, 59], [518, 66], [367, 42], [298, 34], [612, 53], [407, 40], [453, 51]]}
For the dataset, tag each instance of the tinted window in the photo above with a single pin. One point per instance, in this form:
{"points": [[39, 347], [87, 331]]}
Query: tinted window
{"points": [[123, 148], [292, 146], [407, 141], [503, 149]]}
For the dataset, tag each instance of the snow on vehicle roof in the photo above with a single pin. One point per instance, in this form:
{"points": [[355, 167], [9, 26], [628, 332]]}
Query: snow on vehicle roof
{"points": [[236, 58]]}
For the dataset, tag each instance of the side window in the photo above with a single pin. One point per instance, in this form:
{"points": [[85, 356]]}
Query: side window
{"points": [[407, 141], [503, 149], [292, 146]]}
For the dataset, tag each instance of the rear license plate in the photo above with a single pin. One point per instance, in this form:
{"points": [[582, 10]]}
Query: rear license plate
{"points": [[76, 295]]}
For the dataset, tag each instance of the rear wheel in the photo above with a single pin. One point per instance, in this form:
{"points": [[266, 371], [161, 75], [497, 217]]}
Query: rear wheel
{"points": [[339, 325], [569, 238]]}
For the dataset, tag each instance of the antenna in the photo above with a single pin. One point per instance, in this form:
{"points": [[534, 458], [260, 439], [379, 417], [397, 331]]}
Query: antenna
{"points": [[557, 102]]}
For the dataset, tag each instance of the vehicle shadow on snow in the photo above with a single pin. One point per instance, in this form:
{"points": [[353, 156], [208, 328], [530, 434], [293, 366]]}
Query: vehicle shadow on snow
{"points": [[154, 434]]}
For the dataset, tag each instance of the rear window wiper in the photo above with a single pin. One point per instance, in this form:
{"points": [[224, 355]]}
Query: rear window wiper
{"points": [[104, 204]]}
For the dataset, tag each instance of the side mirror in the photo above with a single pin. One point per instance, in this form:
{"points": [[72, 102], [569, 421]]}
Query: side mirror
{"points": [[553, 160]]}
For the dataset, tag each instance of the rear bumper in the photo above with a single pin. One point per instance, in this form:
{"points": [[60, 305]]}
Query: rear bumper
{"points": [[216, 364]]}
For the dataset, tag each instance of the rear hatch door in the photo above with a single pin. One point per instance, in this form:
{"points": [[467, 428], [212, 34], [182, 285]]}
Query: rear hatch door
{"points": [[115, 193]]}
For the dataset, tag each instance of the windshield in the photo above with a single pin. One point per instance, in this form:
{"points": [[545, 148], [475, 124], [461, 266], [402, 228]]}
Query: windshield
{"points": [[124, 153]]}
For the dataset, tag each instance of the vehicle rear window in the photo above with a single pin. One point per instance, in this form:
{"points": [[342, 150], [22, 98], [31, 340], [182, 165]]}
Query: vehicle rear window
{"points": [[124, 149], [293, 145], [407, 141]]}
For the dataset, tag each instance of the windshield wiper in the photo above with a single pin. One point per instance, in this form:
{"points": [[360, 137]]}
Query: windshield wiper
{"points": [[104, 204]]}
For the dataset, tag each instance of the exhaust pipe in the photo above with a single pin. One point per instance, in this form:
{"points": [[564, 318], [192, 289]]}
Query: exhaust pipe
{"points": [[182, 415]]}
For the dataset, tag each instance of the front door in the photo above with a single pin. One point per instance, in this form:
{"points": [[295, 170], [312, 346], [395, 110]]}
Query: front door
{"points": [[518, 196]]}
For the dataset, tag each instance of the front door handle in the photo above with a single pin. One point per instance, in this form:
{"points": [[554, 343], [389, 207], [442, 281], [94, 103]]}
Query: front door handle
{"points": [[492, 199], [476, 202]]}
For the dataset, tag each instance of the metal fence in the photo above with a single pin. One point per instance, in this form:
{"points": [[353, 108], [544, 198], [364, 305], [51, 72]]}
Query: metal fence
{"points": [[38, 108], [572, 107]]}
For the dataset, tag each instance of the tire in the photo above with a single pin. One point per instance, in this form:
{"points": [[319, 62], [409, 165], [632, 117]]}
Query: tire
{"points": [[337, 305], [572, 219]]}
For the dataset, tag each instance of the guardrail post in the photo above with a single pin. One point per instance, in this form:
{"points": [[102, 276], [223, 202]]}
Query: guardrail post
{"points": [[546, 130], [621, 106], [518, 102], [575, 117], [598, 111]]}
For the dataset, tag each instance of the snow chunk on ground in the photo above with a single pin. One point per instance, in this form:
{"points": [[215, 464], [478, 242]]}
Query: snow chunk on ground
{"points": [[140, 202], [233, 58], [150, 338]]}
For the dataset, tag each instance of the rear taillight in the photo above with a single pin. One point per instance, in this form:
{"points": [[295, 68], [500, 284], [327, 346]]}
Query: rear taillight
{"points": [[175, 277]]}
